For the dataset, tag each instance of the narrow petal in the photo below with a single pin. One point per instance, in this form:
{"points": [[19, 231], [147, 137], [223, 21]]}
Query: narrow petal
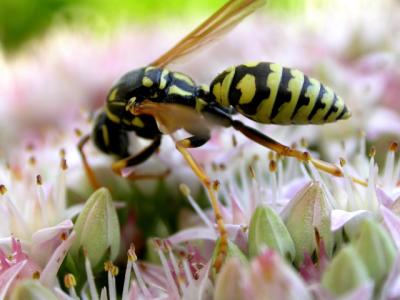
{"points": [[49, 273]]}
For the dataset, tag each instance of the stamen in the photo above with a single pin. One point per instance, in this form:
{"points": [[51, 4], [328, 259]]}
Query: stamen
{"points": [[388, 177], [90, 279], [274, 184], [186, 192], [142, 286], [112, 271], [179, 278], [167, 271], [371, 189], [42, 200], [70, 283]]}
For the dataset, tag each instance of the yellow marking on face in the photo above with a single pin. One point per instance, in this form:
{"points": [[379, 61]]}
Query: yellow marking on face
{"points": [[113, 95], [147, 82], [312, 94], [163, 78], [137, 122], [265, 108], [106, 138], [111, 116], [184, 78], [178, 91], [200, 103], [294, 86], [117, 103], [247, 87], [327, 99], [149, 68]]}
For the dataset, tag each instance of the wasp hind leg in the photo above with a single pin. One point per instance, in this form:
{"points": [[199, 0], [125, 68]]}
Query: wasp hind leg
{"points": [[270, 143], [137, 159], [194, 142]]}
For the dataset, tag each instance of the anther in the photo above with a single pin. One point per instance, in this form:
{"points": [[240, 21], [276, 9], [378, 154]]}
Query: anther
{"points": [[64, 165], [3, 189], [184, 189], [39, 180], [342, 162], [69, 281], [394, 146], [272, 166], [234, 140], [252, 172], [216, 185], [132, 254], [36, 275], [32, 160], [372, 152], [78, 132], [63, 236]]}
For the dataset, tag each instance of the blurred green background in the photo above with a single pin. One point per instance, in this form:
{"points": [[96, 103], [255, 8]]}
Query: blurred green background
{"points": [[22, 20]]}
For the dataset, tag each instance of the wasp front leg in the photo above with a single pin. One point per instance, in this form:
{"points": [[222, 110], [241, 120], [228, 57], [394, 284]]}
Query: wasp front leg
{"points": [[193, 142], [137, 159]]}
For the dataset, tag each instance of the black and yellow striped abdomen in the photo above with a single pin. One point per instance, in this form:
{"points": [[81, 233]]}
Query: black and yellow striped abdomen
{"points": [[269, 93]]}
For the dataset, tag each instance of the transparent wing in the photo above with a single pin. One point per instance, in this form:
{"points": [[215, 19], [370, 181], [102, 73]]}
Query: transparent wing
{"points": [[171, 117], [223, 20]]}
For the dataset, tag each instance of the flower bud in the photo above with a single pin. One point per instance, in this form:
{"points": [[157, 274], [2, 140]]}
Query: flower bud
{"points": [[232, 251], [31, 290], [307, 213], [267, 230], [376, 250], [230, 281], [97, 229], [345, 273]]}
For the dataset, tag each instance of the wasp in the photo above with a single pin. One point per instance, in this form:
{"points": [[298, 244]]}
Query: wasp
{"points": [[152, 101]]}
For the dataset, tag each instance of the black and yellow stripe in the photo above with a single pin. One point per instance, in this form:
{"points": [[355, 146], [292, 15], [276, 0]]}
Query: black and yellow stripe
{"points": [[270, 93]]}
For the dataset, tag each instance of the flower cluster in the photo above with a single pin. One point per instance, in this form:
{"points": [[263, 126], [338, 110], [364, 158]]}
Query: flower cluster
{"points": [[293, 232]]}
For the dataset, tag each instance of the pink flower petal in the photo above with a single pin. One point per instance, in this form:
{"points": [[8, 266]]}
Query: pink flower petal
{"points": [[8, 276], [392, 222], [391, 289], [45, 241], [383, 198], [199, 233], [340, 217], [49, 273]]}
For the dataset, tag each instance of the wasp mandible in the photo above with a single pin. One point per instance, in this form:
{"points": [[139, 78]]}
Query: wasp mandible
{"points": [[152, 101]]}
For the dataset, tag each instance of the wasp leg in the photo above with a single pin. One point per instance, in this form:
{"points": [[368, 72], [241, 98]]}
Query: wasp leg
{"points": [[137, 159], [88, 170], [270, 143], [193, 142]]}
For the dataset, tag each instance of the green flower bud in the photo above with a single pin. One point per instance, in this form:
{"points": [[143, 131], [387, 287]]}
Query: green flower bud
{"points": [[268, 230], [31, 290], [230, 279], [232, 251], [376, 250], [308, 212], [345, 273], [97, 229]]}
